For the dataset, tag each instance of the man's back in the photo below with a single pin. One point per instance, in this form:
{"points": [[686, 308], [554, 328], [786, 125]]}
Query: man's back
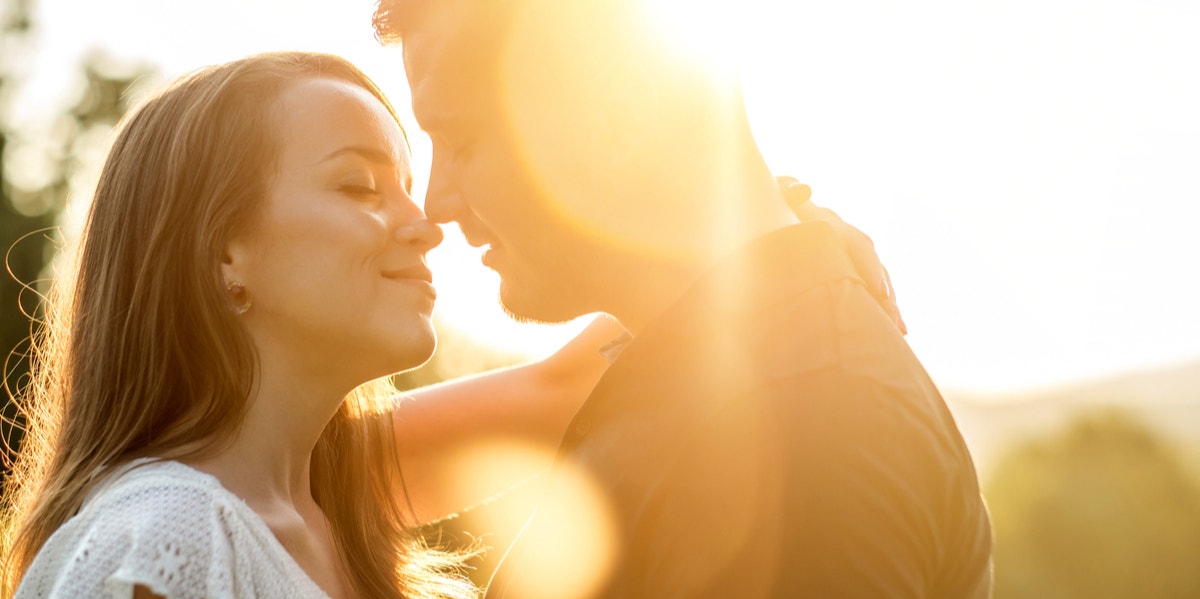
{"points": [[770, 435]]}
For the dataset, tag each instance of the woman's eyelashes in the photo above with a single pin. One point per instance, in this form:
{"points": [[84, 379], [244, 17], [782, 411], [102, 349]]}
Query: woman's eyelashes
{"points": [[360, 191]]}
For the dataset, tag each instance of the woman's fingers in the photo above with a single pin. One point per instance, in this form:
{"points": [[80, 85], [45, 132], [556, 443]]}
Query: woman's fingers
{"points": [[858, 245], [796, 194]]}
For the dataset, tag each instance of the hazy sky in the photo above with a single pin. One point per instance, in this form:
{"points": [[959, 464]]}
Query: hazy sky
{"points": [[1028, 169]]}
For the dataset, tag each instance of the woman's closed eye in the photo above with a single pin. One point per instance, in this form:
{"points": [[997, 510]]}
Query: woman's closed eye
{"points": [[363, 192]]}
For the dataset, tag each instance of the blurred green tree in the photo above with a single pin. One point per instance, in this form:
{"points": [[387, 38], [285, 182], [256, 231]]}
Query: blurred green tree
{"points": [[22, 263], [1106, 509], [37, 169]]}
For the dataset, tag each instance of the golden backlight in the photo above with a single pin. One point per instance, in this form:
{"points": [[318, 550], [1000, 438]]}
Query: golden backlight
{"points": [[915, 121], [715, 34], [623, 130]]}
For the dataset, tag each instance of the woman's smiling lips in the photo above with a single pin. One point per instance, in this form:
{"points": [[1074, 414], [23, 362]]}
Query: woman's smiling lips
{"points": [[417, 274]]}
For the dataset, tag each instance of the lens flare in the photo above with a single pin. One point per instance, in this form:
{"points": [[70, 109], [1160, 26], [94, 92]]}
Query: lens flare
{"points": [[569, 550]]}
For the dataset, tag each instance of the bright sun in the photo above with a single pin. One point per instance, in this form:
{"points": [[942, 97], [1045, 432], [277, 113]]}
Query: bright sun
{"points": [[722, 39], [718, 34]]}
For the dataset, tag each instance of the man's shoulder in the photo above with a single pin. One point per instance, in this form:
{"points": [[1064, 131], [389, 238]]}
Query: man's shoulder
{"points": [[836, 325]]}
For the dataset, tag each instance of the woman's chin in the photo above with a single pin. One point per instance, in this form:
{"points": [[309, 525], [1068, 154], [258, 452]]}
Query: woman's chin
{"points": [[412, 355]]}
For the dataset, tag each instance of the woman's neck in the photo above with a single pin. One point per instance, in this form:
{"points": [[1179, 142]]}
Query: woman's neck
{"points": [[267, 460]]}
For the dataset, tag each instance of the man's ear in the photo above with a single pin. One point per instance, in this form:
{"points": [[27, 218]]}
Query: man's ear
{"points": [[628, 111]]}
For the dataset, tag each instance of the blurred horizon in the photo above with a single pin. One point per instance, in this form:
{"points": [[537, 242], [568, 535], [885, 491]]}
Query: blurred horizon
{"points": [[1025, 171]]}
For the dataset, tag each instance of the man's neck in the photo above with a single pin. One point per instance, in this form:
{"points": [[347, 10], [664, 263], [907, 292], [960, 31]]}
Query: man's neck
{"points": [[755, 207]]}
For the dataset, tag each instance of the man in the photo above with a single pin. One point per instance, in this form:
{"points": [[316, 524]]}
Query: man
{"points": [[767, 432]]}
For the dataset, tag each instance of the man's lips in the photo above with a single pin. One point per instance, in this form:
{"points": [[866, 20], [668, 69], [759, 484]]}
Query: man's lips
{"points": [[477, 240], [489, 249]]}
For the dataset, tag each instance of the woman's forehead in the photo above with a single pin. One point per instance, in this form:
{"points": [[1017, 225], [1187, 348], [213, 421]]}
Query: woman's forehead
{"points": [[321, 117]]}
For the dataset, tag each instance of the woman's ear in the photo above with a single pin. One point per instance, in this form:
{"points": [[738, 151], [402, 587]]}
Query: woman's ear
{"points": [[235, 274], [234, 260]]}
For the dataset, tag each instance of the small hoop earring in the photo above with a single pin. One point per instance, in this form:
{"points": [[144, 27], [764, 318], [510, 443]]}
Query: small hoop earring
{"points": [[241, 299]]}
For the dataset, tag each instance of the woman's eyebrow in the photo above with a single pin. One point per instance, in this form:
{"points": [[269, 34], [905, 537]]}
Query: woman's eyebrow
{"points": [[371, 154]]}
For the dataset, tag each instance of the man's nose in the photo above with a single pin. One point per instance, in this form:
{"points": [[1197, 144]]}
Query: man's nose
{"points": [[443, 199]]}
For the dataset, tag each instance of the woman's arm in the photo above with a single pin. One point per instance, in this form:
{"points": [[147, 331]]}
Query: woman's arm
{"points": [[505, 422]]}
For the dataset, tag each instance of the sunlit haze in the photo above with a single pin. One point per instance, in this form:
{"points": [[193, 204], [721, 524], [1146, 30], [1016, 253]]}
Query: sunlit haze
{"points": [[1027, 169]]}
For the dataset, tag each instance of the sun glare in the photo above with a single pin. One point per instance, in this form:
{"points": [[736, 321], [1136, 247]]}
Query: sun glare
{"points": [[716, 34], [571, 552]]}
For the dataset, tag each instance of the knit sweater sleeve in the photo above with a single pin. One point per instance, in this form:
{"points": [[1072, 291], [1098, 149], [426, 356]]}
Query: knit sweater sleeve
{"points": [[169, 537]]}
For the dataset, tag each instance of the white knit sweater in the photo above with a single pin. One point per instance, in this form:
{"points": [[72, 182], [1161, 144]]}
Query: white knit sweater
{"points": [[172, 529]]}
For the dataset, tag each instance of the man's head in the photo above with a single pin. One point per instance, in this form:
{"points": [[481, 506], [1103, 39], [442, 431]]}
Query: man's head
{"points": [[571, 139]]}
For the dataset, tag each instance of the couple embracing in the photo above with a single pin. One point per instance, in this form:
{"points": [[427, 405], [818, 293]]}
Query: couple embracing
{"points": [[207, 417]]}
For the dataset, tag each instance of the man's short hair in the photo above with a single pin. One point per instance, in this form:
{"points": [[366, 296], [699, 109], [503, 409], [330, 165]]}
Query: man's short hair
{"points": [[392, 16]]}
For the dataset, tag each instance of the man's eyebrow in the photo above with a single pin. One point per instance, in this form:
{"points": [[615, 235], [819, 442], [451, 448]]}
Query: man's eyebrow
{"points": [[430, 120], [443, 122], [440, 105]]}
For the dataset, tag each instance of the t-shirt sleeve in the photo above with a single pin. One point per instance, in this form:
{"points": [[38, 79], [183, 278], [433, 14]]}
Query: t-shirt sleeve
{"points": [[866, 477]]}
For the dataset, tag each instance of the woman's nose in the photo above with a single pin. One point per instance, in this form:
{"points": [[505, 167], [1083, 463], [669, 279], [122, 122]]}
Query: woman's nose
{"points": [[421, 233]]}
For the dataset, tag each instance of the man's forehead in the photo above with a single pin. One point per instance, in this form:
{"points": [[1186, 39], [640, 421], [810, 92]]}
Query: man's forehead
{"points": [[444, 83], [450, 56], [473, 55], [395, 20]]}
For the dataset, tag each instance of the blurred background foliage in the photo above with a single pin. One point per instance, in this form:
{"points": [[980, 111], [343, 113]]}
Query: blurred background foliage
{"points": [[1104, 508], [14, 31], [39, 165]]}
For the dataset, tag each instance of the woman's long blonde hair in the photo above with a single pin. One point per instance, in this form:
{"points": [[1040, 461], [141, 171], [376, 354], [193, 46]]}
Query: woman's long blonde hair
{"points": [[140, 354]]}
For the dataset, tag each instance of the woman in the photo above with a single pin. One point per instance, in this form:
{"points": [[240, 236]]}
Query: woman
{"points": [[202, 421]]}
